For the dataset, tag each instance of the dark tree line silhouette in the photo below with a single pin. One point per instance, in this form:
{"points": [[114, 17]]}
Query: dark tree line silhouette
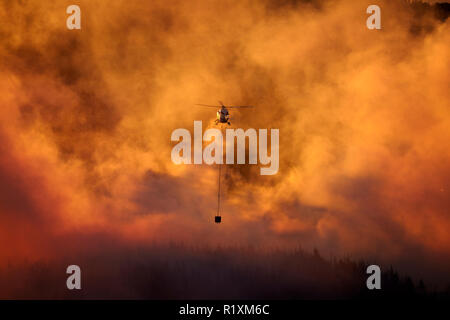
{"points": [[181, 272]]}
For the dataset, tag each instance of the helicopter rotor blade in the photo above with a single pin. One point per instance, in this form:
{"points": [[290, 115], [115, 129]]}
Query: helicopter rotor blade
{"points": [[222, 105], [207, 105], [240, 107]]}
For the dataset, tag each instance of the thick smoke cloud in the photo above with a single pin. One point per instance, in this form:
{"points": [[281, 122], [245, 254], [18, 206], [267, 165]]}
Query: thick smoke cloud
{"points": [[363, 116]]}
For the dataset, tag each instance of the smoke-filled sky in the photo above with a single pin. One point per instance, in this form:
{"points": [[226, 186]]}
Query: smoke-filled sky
{"points": [[363, 115]]}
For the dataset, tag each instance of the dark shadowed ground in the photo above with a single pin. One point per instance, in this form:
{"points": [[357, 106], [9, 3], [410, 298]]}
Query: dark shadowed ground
{"points": [[179, 272]]}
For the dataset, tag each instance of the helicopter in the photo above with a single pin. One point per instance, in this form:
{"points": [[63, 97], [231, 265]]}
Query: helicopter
{"points": [[223, 115]]}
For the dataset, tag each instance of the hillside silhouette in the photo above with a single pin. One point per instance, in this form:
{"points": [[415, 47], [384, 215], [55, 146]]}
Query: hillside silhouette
{"points": [[181, 272]]}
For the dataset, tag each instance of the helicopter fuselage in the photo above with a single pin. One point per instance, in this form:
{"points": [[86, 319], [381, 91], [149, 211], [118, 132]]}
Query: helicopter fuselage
{"points": [[223, 115]]}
